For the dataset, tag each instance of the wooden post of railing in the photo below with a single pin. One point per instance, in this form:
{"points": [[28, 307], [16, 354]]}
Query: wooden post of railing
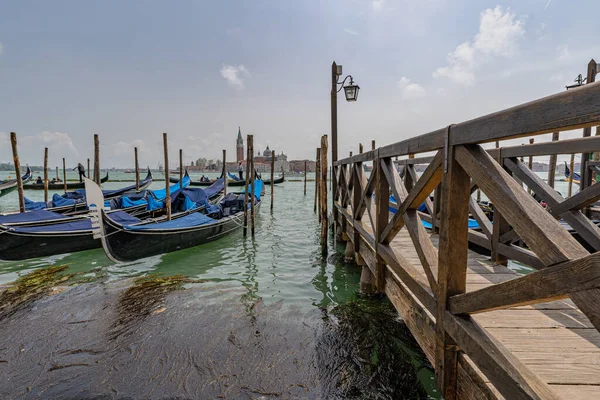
{"points": [[452, 267], [552, 164], [408, 179], [437, 205], [382, 198], [167, 184], [17, 162], [584, 171], [252, 181], [596, 157], [317, 175], [323, 191], [224, 173], [46, 174], [137, 170], [65, 175], [530, 163], [96, 159], [273, 178], [572, 167], [305, 171]]}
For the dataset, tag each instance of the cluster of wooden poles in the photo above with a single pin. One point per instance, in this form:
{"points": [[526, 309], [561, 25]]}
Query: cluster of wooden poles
{"points": [[17, 163]]}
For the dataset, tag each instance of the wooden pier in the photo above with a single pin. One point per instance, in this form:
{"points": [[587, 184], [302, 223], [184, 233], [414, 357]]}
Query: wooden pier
{"points": [[489, 331]]}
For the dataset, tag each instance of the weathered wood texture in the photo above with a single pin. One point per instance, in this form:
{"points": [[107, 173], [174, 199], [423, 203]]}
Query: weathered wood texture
{"points": [[46, 174], [97, 159], [167, 184], [137, 169], [17, 163]]}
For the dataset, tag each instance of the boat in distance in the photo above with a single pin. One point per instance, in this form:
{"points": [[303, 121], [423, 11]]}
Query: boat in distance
{"points": [[11, 184], [60, 185]]}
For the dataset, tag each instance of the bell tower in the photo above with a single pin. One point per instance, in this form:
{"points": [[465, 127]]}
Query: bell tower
{"points": [[239, 146]]}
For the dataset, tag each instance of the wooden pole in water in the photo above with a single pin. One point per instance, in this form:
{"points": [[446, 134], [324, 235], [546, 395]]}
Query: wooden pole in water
{"points": [[57, 172], [317, 176], [46, 174], [180, 168], [88, 170], [168, 188], [585, 174], [65, 174], [324, 191], [273, 178], [96, 159], [372, 145], [13, 143], [137, 170], [246, 185], [305, 171], [253, 180], [572, 167], [224, 173], [552, 165]]}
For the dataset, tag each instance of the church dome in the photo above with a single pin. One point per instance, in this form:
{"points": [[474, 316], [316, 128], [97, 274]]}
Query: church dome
{"points": [[267, 152]]}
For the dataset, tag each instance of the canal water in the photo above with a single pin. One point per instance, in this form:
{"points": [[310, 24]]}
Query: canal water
{"points": [[239, 318]]}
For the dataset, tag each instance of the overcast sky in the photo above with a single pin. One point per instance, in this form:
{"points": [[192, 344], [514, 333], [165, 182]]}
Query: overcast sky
{"points": [[197, 69]]}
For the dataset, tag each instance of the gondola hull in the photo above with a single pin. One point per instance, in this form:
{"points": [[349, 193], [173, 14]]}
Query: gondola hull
{"points": [[20, 246], [8, 186], [124, 245], [60, 186]]}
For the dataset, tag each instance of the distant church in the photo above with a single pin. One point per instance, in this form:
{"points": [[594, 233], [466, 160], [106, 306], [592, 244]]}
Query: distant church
{"points": [[261, 162]]}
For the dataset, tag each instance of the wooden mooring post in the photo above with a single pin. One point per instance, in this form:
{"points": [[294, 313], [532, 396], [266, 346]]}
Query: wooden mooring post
{"points": [[317, 176], [167, 184], [96, 159], [273, 178], [88, 169], [253, 181], [17, 162], [65, 174], [224, 173], [137, 170], [248, 154], [57, 177], [180, 168], [479, 323], [46, 174], [305, 172], [323, 191]]}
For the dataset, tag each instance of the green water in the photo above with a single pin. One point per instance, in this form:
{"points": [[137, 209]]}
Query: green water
{"points": [[351, 347]]}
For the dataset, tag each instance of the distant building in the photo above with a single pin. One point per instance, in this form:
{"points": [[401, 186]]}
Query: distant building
{"points": [[262, 162], [298, 165]]}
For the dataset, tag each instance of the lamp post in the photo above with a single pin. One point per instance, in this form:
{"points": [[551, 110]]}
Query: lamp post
{"points": [[351, 93]]}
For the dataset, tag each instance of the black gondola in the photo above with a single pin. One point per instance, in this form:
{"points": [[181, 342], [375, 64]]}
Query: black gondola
{"points": [[58, 235], [60, 185], [11, 184], [230, 182], [122, 242]]}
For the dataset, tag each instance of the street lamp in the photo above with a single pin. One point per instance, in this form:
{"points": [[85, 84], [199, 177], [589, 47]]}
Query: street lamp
{"points": [[351, 92]]}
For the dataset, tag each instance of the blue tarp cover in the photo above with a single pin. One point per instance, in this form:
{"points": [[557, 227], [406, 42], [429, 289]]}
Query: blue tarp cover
{"points": [[472, 224], [74, 226], [232, 176], [162, 193], [29, 216], [192, 220], [258, 186]]}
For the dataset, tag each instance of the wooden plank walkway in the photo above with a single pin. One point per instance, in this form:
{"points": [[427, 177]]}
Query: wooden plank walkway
{"points": [[554, 339]]}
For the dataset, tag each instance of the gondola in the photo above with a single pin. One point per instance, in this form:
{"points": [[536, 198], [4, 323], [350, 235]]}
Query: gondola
{"points": [[58, 234], [60, 185], [73, 203], [576, 176], [11, 184], [128, 242], [234, 181]]}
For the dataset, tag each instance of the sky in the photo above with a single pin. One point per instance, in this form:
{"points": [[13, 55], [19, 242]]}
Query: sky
{"points": [[130, 71]]}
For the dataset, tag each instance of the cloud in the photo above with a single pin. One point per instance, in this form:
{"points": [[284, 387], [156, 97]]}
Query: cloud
{"points": [[351, 32], [377, 5], [410, 90], [498, 36], [56, 140], [234, 75], [122, 148]]}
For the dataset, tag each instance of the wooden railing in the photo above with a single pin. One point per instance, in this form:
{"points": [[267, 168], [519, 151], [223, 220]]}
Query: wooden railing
{"points": [[521, 228]]}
